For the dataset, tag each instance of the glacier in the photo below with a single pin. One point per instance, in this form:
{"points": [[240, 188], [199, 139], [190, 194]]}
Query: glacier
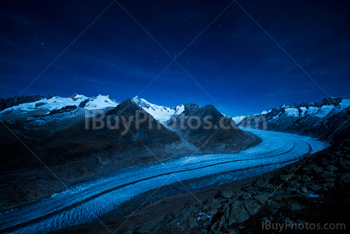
{"points": [[83, 203]]}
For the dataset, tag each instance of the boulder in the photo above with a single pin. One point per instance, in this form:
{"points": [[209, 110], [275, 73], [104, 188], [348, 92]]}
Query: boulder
{"points": [[286, 177], [238, 213], [344, 164], [252, 206], [332, 168], [227, 193], [317, 170], [213, 205], [328, 176], [293, 206], [306, 178], [226, 214], [315, 187], [262, 181], [215, 226], [261, 197], [273, 206], [291, 190], [345, 178], [324, 162]]}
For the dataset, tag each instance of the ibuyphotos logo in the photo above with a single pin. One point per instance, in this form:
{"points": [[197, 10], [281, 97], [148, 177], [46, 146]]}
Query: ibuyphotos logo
{"points": [[98, 119], [301, 226]]}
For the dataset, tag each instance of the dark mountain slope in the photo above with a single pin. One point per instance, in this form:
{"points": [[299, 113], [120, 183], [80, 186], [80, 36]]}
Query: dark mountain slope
{"points": [[210, 130]]}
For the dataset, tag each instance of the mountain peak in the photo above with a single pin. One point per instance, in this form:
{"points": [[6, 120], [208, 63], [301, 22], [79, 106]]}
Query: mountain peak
{"points": [[160, 113]]}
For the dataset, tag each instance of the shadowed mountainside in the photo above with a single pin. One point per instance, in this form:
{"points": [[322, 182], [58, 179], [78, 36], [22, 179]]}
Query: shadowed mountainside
{"points": [[211, 130]]}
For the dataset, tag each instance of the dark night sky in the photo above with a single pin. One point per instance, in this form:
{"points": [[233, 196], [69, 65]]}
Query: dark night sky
{"points": [[233, 60]]}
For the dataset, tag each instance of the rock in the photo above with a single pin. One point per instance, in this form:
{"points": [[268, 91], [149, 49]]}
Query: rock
{"points": [[328, 176], [345, 178], [315, 187], [332, 168], [344, 165], [238, 213], [346, 148], [294, 182], [293, 206], [331, 181], [273, 206], [192, 222], [227, 213], [261, 198], [213, 205], [262, 181], [227, 193], [308, 167], [218, 194], [339, 153], [187, 210], [317, 170], [291, 190], [238, 195], [324, 162], [252, 190], [283, 219], [252, 206], [217, 232], [245, 196], [286, 177], [306, 178], [299, 192], [215, 226], [223, 223], [169, 217], [304, 190]]}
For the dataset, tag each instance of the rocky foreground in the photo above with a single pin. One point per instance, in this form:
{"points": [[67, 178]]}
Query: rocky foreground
{"points": [[318, 192]]}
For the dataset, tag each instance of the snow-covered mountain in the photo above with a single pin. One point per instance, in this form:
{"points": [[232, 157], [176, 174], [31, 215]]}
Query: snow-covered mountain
{"points": [[309, 118], [53, 104], [57, 104], [160, 113]]}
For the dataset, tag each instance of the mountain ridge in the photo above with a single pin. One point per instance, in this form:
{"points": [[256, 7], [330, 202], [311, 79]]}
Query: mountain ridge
{"points": [[316, 119]]}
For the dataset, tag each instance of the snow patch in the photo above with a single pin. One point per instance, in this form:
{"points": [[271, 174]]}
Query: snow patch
{"points": [[345, 103], [238, 119], [100, 102], [160, 113], [312, 110], [324, 111], [292, 112]]}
